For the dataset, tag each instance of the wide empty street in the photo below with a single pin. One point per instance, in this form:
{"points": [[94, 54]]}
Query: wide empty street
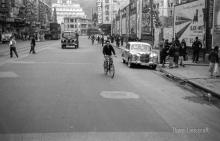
{"points": [[64, 95]]}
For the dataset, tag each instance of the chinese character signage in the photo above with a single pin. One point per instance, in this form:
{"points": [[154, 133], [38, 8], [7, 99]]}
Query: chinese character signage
{"points": [[146, 17], [216, 31], [99, 11]]}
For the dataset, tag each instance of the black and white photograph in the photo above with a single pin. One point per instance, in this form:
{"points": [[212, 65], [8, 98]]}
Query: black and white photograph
{"points": [[109, 70]]}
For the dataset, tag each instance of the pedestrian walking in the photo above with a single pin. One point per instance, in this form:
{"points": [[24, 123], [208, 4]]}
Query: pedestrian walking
{"points": [[102, 40], [182, 53], [122, 40], [98, 38], [171, 53], [12, 45], [214, 62], [93, 39], [196, 46], [118, 41], [33, 44]]}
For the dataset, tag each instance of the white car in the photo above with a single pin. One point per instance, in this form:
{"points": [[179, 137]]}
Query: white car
{"points": [[6, 37], [139, 53]]}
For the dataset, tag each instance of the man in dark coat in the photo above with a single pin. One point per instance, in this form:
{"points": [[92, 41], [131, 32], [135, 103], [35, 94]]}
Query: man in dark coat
{"points": [[164, 53], [197, 45], [33, 43]]}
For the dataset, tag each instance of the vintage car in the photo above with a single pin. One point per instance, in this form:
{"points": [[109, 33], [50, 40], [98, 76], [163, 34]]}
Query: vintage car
{"points": [[6, 37], [69, 39], [139, 53]]}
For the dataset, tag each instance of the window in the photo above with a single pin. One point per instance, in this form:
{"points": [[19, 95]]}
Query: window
{"points": [[107, 19], [3, 3], [106, 1], [72, 25], [128, 46], [71, 20]]}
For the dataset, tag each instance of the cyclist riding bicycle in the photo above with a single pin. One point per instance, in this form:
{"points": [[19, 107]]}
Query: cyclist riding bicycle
{"points": [[108, 49]]}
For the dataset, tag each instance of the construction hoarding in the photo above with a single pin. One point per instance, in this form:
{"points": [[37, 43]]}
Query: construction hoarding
{"points": [[189, 21]]}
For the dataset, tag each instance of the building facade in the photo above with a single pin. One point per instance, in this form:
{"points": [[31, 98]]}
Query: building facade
{"points": [[76, 24], [67, 9], [24, 17]]}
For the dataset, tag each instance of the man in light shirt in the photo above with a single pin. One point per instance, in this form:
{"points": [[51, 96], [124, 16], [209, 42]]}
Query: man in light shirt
{"points": [[12, 45]]}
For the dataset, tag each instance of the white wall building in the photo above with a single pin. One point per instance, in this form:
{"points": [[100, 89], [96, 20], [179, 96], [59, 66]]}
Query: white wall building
{"points": [[108, 9], [68, 9], [76, 24]]}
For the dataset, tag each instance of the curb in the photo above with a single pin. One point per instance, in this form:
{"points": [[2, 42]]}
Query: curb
{"points": [[213, 93], [196, 64]]}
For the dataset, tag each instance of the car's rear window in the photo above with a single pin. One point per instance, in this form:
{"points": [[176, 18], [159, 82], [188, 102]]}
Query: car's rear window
{"points": [[140, 47], [69, 34]]}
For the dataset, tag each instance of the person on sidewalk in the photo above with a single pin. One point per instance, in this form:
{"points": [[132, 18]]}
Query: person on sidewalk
{"points": [[12, 45], [122, 40], [177, 53], [33, 44], [196, 46], [182, 52], [171, 53], [214, 62], [164, 53]]}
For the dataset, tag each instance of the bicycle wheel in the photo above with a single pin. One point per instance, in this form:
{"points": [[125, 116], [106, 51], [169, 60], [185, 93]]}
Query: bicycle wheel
{"points": [[112, 71], [105, 68]]}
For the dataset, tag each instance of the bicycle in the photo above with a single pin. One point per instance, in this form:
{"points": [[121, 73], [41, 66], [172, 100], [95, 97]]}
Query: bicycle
{"points": [[109, 66]]}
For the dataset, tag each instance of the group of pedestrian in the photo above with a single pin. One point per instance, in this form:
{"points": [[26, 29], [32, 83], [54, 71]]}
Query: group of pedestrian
{"points": [[175, 51], [13, 48]]}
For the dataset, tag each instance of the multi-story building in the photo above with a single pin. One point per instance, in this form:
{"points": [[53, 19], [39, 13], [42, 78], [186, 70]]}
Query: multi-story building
{"points": [[108, 9], [67, 9], [76, 24]]}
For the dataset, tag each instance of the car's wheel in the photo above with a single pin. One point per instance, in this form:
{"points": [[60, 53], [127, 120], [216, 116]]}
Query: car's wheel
{"points": [[130, 65], [153, 67], [123, 60]]}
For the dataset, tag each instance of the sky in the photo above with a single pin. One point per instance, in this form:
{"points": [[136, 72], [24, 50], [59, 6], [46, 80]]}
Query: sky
{"points": [[87, 6]]}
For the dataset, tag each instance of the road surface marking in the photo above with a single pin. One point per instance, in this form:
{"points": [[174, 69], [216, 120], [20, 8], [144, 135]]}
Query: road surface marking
{"points": [[119, 95], [8, 75]]}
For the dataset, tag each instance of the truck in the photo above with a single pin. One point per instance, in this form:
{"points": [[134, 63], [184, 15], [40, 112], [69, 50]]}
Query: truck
{"points": [[54, 32]]}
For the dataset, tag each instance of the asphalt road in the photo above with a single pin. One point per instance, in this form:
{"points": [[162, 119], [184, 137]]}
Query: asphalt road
{"points": [[63, 94]]}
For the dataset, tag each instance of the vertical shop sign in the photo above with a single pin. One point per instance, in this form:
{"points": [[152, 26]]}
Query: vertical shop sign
{"points": [[146, 18], [99, 11], [216, 24], [133, 19]]}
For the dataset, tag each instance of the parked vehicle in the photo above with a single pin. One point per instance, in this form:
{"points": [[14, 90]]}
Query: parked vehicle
{"points": [[6, 37], [139, 53], [54, 32], [69, 39]]}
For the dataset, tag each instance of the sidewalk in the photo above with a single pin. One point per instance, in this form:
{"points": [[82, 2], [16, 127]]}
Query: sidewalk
{"points": [[196, 75]]}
